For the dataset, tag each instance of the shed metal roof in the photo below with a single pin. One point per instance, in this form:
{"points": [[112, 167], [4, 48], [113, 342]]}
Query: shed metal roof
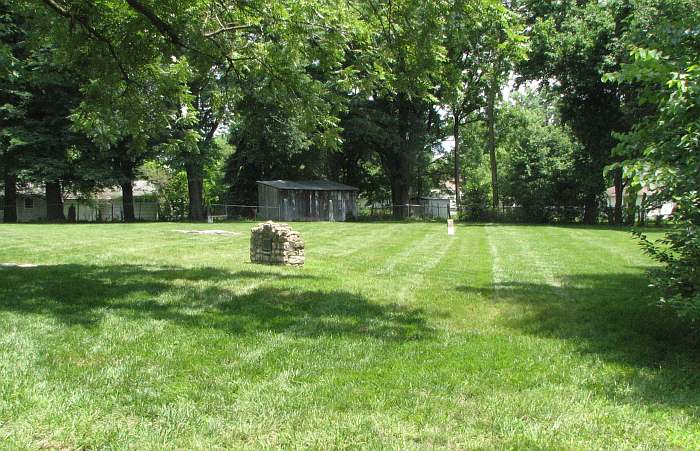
{"points": [[310, 185]]}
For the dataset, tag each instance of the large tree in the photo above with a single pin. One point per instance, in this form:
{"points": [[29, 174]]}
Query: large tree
{"points": [[536, 152], [271, 141], [482, 44], [40, 90], [48, 138], [407, 48], [133, 44], [572, 45], [13, 96]]}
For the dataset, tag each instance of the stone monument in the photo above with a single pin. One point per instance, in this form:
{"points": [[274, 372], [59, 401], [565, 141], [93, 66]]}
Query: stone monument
{"points": [[276, 244]]}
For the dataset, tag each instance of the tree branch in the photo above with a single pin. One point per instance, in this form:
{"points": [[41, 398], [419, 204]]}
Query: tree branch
{"points": [[164, 28], [230, 27], [83, 21]]}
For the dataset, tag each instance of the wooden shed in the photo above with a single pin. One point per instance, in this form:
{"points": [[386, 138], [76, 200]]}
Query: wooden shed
{"points": [[435, 207], [313, 200]]}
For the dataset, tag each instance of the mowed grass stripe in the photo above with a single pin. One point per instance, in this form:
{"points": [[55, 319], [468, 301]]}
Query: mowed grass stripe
{"points": [[538, 297], [193, 347]]}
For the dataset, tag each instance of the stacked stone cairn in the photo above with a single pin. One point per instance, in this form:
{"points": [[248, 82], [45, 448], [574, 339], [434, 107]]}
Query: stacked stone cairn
{"points": [[276, 244]]}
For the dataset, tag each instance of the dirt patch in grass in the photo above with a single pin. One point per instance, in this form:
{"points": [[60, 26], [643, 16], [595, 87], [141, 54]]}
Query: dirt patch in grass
{"points": [[208, 232]]}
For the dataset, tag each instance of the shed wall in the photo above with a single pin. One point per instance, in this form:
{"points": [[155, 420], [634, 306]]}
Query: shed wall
{"points": [[306, 205], [435, 208], [268, 203]]}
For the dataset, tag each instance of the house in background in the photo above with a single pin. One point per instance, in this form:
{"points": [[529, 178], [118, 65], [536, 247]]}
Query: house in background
{"points": [[664, 211], [31, 204], [105, 205], [446, 191], [313, 200]]}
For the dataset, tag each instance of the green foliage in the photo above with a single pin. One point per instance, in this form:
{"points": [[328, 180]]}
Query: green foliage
{"points": [[215, 186], [171, 189], [679, 281], [172, 73], [367, 132], [14, 92], [272, 140], [483, 43], [477, 203], [538, 158], [662, 150], [38, 93], [407, 49], [171, 183], [572, 45]]}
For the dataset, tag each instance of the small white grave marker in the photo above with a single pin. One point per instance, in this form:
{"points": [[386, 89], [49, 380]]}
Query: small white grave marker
{"points": [[450, 227]]}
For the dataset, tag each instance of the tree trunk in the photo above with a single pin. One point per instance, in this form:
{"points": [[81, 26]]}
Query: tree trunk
{"points": [[642, 211], [590, 209], [455, 132], [628, 218], [54, 202], [10, 209], [617, 211], [195, 191], [400, 195], [404, 159], [490, 117], [128, 201]]}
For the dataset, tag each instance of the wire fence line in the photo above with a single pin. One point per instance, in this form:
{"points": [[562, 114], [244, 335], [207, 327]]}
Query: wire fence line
{"points": [[234, 212], [84, 210], [36, 209], [405, 211]]}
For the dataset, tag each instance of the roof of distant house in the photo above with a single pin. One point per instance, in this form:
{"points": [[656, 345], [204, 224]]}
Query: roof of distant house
{"points": [[308, 185], [645, 190], [141, 188], [31, 189]]}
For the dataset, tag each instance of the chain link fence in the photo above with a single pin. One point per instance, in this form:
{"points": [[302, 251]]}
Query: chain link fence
{"points": [[551, 214], [233, 212], [407, 211], [36, 209]]}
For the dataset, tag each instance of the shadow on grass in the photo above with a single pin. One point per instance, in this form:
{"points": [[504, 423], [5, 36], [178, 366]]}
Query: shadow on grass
{"points": [[613, 317], [240, 302]]}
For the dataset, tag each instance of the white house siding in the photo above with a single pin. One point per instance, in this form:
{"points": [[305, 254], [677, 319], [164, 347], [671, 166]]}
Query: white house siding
{"points": [[111, 210], [90, 210], [36, 213], [83, 211]]}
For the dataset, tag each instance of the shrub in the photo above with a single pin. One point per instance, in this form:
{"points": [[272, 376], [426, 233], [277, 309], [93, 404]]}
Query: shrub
{"points": [[476, 203], [679, 252]]}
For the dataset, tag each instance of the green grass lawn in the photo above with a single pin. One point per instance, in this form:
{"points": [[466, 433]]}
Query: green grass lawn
{"points": [[391, 336]]}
